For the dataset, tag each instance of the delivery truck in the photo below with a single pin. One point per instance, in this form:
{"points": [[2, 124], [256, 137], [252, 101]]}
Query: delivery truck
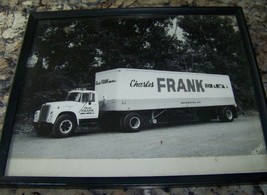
{"points": [[127, 99]]}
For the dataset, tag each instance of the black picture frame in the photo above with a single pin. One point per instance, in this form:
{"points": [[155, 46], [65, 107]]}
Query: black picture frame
{"points": [[131, 181]]}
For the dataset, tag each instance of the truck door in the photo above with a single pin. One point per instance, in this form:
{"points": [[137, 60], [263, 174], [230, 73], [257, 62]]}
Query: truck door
{"points": [[90, 108]]}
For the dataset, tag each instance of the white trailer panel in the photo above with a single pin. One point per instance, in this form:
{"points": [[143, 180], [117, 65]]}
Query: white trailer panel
{"points": [[138, 89]]}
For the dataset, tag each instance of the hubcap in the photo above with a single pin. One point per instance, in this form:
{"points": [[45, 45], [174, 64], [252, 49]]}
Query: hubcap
{"points": [[229, 114], [65, 126], [135, 122]]}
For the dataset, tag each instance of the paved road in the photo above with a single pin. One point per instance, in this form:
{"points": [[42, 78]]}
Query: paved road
{"points": [[240, 137]]}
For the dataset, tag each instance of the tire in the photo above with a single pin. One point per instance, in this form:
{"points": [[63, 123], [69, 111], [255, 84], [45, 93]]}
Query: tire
{"points": [[64, 126], [226, 114], [132, 122]]}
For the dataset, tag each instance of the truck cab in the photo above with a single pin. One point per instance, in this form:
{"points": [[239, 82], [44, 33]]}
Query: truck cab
{"points": [[61, 118]]}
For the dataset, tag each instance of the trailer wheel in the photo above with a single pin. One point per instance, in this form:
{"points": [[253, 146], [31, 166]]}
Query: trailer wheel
{"points": [[226, 114], [64, 126], [133, 122]]}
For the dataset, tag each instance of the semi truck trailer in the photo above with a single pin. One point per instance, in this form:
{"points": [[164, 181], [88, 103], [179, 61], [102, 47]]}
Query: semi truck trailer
{"points": [[127, 99]]}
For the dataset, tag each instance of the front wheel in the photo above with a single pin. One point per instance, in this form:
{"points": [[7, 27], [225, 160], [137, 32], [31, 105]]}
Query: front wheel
{"points": [[64, 126], [226, 114]]}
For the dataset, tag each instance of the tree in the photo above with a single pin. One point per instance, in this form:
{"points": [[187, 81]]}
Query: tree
{"points": [[68, 53], [213, 45]]}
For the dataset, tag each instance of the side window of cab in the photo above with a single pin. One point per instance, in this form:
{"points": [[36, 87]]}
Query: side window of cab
{"points": [[88, 97], [85, 97]]}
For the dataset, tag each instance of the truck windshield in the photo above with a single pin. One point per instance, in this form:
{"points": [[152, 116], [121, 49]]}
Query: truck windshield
{"points": [[74, 97]]}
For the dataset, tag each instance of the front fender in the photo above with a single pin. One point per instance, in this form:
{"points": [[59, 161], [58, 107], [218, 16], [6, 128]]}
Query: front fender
{"points": [[65, 112], [58, 108]]}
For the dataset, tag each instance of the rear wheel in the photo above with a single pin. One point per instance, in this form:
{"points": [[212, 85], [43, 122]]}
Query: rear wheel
{"points": [[132, 122], [64, 126], [226, 114]]}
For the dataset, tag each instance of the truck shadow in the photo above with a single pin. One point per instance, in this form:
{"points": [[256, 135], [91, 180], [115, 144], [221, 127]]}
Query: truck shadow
{"points": [[82, 131], [94, 129], [160, 126]]}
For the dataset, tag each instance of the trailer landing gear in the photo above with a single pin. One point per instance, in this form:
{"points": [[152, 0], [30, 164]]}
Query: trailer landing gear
{"points": [[154, 116]]}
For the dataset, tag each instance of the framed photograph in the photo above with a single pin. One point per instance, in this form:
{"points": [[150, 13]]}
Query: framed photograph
{"points": [[131, 97]]}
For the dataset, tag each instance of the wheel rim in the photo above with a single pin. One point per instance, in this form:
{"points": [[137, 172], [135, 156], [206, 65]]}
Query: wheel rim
{"points": [[229, 114], [135, 123], [65, 126]]}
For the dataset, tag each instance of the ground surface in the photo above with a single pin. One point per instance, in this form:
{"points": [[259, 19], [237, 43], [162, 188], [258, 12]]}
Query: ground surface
{"points": [[240, 137]]}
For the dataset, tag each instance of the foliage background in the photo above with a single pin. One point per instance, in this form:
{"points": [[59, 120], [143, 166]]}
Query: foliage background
{"points": [[67, 53]]}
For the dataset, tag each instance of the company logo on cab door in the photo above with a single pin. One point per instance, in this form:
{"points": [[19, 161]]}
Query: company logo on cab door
{"points": [[135, 83]]}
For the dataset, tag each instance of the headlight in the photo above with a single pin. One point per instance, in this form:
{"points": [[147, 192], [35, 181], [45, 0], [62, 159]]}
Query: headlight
{"points": [[50, 116]]}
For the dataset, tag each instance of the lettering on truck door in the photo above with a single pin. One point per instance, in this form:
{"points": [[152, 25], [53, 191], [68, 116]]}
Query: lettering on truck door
{"points": [[90, 107]]}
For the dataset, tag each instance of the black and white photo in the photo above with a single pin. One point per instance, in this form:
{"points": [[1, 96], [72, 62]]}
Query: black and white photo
{"points": [[166, 94]]}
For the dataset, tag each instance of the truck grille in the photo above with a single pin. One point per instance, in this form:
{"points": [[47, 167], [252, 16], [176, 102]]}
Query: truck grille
{"points": [[44, 113]]}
